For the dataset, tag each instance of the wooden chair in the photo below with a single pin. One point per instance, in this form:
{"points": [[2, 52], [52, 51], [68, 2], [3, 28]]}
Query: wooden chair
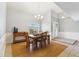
{"points": [[42, 39], [39, 40], [31, 42]]}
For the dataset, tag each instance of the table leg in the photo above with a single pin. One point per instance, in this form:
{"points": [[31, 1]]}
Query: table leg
{"points": [[48, 39]]}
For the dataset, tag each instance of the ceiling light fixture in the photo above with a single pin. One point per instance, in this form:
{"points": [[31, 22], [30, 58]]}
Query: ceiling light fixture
{"points": [[62, 17], [38, 17]]}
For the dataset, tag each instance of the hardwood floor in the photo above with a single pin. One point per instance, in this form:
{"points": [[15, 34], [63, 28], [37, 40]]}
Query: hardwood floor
{"points": [[20, 50]]}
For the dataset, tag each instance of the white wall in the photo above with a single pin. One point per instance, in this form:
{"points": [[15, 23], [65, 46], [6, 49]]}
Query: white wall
{"points": [[69, 35], [46, 22], [69, 29], [2, 19], [2, 28], [68, 25], [22, 15], [20, 19]]}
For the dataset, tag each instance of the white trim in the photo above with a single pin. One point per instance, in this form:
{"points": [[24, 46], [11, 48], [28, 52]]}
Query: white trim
{"points": [[2, 45], [61, 43], [69, 35]]}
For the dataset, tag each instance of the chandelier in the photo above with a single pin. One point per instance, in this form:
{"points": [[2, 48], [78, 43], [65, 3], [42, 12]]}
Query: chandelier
{"points": [[38, 17]]}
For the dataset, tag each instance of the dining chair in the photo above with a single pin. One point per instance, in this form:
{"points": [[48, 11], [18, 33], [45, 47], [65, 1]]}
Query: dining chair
{"points": [[31, 43], [42, 39]]}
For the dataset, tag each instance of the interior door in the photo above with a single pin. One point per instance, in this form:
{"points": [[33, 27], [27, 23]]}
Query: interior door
{"points": [[55, 29]]}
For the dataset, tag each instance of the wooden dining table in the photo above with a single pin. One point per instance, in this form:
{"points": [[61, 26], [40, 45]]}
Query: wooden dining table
{"points": [[33, 39]]}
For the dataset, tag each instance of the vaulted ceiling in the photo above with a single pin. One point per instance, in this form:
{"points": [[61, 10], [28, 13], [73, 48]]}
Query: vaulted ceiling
{"points": [[71, 8]]}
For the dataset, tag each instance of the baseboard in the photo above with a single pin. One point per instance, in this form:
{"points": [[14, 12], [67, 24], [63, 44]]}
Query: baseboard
{"points": [[2, 45], [69, 35]]}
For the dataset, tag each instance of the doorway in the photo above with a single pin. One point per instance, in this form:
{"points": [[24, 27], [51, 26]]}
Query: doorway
{"points": [[55, 29]]}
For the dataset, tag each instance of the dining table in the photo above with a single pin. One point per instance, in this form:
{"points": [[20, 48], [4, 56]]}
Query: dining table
{"points": [[33, 38]]}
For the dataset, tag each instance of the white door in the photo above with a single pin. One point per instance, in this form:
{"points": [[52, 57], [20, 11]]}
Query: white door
{"points": [[55, 29]]}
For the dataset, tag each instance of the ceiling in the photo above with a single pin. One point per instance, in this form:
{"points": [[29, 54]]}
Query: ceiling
{"points": [[34, 7], [71, 8]]}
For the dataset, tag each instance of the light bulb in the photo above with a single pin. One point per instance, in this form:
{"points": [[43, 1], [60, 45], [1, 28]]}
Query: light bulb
{"points": [[62, 17], [41, 17], [35, 16]]}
